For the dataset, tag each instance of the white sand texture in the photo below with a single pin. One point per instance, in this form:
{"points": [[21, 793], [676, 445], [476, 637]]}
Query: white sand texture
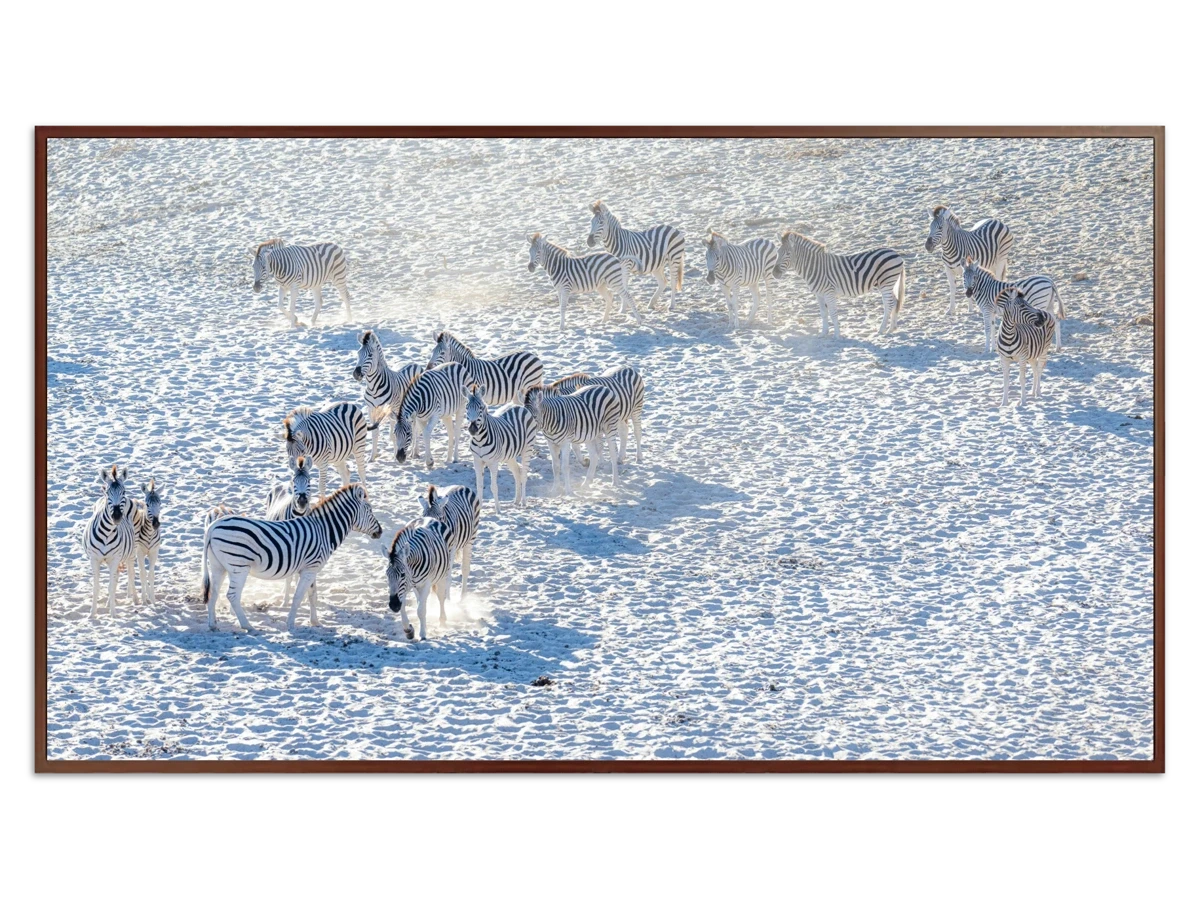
{"points": [[833, 549]]}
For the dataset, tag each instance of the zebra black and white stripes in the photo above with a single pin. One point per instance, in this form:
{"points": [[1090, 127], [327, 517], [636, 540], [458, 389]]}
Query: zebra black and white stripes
{"points": [[109, 537], [659, 251], [735, 266], [591, 416], [601, 273], [418, 560], [291, 500], [500, 381], [831, 276], [329, 436], [438, 394], [506, 438], [989, 242], [147, 523], [628, 387], [300, 267], [274, 550], [458, 510], [983, 289], [1025, 335], [383, 388]]}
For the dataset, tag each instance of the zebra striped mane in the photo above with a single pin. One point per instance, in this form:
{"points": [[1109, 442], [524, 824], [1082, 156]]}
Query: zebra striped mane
{"points": [[938, 210], [797, 235], [598, 206], [321, 503], [273, 242], [566, 378], [366, 335], [403, 532], [298, 415], [447, 337]]}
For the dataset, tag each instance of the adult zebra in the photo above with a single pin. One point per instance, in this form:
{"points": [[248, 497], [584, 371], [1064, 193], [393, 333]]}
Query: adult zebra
{"points": [[591, 416], [458, 510], [275, 550], [418, 560], [438, 394], [741, 265], [147, 520], [830, 276], [297, 267], [601, 273], [329, 436], [291, 500], [628, 387], [500, 381], [109, 537], [383, 388], [982, 287], [1025, 334], [504, 439], [988, 241], [658, 251]]}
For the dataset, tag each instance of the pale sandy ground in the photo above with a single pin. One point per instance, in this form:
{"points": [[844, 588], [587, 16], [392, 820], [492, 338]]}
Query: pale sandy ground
{"points": [[833, 549]]}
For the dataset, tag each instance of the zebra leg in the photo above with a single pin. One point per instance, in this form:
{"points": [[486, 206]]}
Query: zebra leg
{"points": [[1004, 366], [770, 300], [345, 294], [606, 294], [494, 467], [466, 570], [1057, 333], [428, 429], [151, 570], [593, 462], [375, 442], [731, 298], [422, 601], [312, 603], [343, 472], [625, 295], [216, 580], [754, 298], [562, 308], [459, 414], [321, 480], [237, 580], [361, 465], [317, 307], [887, 311], [824, 315], [292, 292], [623, 428], [451, 435], [282, 296], [950, 275], [612, 448], [302, 584], [637, 436], [113, 570], [831, 302], [660, 276], [95, 585], [134, 563], [514, 468], [479, 466], [566, 467]]}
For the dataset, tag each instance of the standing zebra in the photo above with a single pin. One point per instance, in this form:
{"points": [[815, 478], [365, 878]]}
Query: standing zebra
{"points": [[983, 288], [329, 436], [438, 394], [830, 276], [601, 273], [383, 388], [458, 511], [504, 439], [418, 560], [300, 267], [657, 251], [1025, 334], [109, 537], [591, 416], [988, 241], [291, 500], [274, 550], [627, 384], [502, 380], [146, 521], [741, 265]]}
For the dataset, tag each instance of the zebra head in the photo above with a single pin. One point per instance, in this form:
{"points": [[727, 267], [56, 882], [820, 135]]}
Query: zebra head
{"points": [[114, 490], [1010, 299], [533, 402], [787, 254], [600, 225], [399, 575], [712, 256], [369, 351], [536, 249], [152, 495], [937, 227], [261, 255], [402, 433], [476, 410], [971, 275], [364, 521], [432, 505], [301, 484], [441, 350], [295, 435]]}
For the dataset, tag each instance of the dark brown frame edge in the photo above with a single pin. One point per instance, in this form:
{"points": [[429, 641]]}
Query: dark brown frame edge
{"points": [[1157, 764]]}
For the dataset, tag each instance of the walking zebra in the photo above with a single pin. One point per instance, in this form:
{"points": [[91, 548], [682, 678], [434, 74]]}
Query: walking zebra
{"points": [[300, 267], [988, 241], [501, 381], [657, 251], [288, 501], [383, 388], [109, 537], [146, 522], [504, 439], [601, 273], [1025, 334], [983, 288], [627, 384], [220, 510], [437, 394], [329, 436], [418, 560], [591, 416], [831, 276], [458, 510], [274, 550], [741, 265]]}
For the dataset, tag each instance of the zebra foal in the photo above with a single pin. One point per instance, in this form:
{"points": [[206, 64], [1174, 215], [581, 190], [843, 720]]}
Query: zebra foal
{"points": [[658, 251], [458, 511], [983, 288], [297, 267], [109, 537], [418, 560], [989, 241], [735, 265], [291, 500], [331, 435], [147, 513], [505, 439], [601, 273], [1024, 338], [591, 416], [384, 389]]}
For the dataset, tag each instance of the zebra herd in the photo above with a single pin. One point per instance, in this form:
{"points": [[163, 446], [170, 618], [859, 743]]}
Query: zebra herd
{"points": [[295, 537]]}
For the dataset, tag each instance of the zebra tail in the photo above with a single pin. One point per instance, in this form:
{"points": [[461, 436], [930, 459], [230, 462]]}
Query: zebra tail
{"points": [[901, 287], [679, 275], [1062, 312], [204, 568]]}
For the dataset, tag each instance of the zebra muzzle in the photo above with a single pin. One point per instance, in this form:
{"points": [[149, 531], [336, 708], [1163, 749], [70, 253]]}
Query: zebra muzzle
{"points": [[358, 372], [258, 287], [394, 603], [533, 267], [928, 245], [710, 278]]}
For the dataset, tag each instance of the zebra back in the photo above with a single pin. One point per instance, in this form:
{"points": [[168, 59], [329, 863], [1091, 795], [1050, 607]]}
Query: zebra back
{"points": [[335, 433]]}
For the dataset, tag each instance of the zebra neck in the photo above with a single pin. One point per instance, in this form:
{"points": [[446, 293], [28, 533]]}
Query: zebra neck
{"points": [[336, 520]]}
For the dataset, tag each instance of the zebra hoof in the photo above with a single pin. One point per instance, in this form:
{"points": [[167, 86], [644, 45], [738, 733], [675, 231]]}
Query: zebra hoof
{"points": [[409, 632]]}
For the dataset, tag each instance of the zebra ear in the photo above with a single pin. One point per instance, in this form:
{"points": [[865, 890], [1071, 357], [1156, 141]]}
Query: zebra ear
{"points": [[104, 474], [124, 473], [287, 430], [362, 338]]}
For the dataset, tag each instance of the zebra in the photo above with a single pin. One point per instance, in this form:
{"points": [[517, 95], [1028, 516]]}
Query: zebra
{"points": [[458, 510], [328, 436], [657, 251], [989, 241], [630, 391], [437, 394], [983, 288], [1025, 334], [418, 560], [147, 512], [299, 267], [291, 500], [502, 380], [383, 388], [503, 439], [591, 416], [273, 550], [741, 265], [109, 537], [220, 510], [830, 276], [601, 273]]}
